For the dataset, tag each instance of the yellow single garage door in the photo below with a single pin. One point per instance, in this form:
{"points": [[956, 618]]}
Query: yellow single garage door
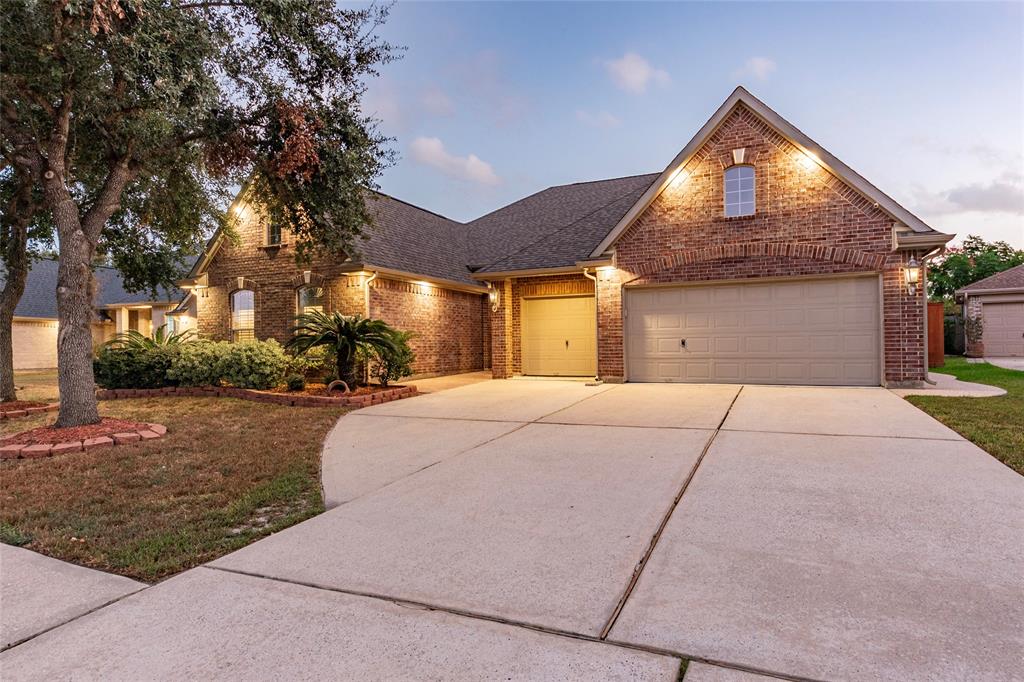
{"points": [[1002, 331], [820, 332], [558, 336], [35, 343]]}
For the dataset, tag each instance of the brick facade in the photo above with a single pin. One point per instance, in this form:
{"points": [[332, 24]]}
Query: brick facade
{"points": [[807, 223], [450, 326]]}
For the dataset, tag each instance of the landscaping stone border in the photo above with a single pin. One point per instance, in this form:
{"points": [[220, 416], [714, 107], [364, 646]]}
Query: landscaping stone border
{"points": [[365, 400], [32, 451], [15, 414]]}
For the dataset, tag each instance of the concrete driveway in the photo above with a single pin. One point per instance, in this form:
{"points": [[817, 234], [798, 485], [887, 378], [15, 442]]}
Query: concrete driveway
{"points": [[549, 529]]}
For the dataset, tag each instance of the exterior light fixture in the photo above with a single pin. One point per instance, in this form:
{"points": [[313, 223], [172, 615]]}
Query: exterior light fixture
{"points": [[912, 275], [808, 161], [494, 296]]}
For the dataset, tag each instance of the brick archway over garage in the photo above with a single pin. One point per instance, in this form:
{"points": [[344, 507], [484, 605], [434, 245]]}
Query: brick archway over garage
{"points": [[860, 260]]}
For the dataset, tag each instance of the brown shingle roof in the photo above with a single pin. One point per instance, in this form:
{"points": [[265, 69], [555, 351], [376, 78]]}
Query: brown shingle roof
{"points": [[1007, 279]]}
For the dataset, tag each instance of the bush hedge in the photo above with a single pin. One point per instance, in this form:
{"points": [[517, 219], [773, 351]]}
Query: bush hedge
{"points": [[252, 364]]}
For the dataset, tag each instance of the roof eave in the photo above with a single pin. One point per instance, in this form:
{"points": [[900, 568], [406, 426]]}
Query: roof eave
{"points": [[916, 241], [530, 272]]}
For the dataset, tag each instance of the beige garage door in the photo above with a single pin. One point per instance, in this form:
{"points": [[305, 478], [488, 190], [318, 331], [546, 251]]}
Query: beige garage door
{"points": [[822, 332], [35, 344], [558, 336], [1002, 331]]}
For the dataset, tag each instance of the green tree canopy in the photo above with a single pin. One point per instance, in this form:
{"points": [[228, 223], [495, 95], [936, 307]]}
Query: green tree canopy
{"points": [[135, 119], [976, 259]]}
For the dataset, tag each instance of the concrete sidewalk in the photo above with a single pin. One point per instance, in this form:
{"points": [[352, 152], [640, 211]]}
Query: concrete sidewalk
{"points": [[38, 593]]}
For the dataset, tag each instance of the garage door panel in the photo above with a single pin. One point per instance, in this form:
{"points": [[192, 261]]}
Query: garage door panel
{"points": [[811, 332], [1003, 329], [557, 336]]}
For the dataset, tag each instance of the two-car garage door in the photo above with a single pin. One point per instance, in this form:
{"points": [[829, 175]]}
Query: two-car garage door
{"points": [[823, 332]]}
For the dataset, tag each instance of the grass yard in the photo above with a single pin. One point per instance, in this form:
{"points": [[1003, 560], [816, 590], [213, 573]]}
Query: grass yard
{"points": [[227, 473], [994, 424]]}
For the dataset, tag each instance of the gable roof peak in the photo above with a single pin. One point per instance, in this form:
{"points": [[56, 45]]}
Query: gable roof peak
{"points": [[742, 96]]}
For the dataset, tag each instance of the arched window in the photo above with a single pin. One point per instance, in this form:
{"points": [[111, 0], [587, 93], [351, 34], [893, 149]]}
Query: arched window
{"points": [[739, 191], [243, 315], [310, 298]]}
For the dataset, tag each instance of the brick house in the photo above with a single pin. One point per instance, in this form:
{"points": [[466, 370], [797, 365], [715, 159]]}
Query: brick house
{"points": [[755, 256], [994, 306]]}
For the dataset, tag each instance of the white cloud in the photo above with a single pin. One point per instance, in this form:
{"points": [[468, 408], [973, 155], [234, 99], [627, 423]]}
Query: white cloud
{"points": [[756, 67], [383, 103], [430, 151], [633, 73], [601, 119], [436, 102]]}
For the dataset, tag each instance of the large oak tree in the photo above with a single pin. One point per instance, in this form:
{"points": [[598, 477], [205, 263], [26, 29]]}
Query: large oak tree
{"points": [[128, 120]]}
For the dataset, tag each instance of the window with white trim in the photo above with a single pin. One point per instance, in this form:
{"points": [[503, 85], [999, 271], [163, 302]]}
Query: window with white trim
{"points": [[243, 315], [274, 234], [310, 299], [739, 191]]}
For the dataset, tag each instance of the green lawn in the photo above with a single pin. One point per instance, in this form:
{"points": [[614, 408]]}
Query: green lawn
{"points": [[994, 424], [227, 473]]}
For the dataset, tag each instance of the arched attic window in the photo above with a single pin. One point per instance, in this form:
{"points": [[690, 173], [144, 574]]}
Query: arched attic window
{"points": [[739, 191]]}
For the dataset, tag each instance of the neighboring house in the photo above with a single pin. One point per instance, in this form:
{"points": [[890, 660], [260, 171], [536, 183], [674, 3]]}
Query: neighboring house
{"points": [[755, 256], [35, 318], [998, 303]]}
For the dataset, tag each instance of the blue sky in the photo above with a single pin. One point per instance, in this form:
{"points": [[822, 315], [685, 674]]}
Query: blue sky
{"points": [[494, 101]]}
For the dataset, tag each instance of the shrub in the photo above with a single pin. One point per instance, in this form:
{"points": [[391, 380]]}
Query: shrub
{"points": [[391, 364], [133, 367], [254, 364], [348, 337], [199, 363], [296, 382]]}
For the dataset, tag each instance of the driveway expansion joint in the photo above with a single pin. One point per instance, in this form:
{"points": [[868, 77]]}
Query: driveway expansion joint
{"points": [[639, 569], [424, 606]]}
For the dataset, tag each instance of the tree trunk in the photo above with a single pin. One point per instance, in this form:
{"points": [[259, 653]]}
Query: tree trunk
{"points": [[75, 289], [347, 370], [17, 215]]}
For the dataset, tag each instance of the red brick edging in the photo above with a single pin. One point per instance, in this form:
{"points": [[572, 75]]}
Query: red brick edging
{"points": [[15, 414], [31, 451], [356, 401]]}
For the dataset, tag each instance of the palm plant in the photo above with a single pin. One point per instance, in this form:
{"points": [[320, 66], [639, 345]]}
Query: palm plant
{"points": [[347, 335], [136, 340]]}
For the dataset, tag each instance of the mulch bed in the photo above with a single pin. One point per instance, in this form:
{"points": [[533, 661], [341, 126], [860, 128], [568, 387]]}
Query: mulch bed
{"points": [[16, 409], [321, 390], [49, 434], [19, 405]]}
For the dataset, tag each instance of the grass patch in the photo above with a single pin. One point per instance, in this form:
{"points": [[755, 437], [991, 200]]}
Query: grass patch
{"points": [[994, 424], [227, 473]]}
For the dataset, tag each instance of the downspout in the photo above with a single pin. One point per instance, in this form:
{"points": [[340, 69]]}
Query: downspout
{"points": [[366, 292], [924, 297], [597, 333]]}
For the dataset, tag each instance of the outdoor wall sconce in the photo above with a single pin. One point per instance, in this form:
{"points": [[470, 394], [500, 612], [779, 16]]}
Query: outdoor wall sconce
{"points": [[494, 296], [912, 275]]}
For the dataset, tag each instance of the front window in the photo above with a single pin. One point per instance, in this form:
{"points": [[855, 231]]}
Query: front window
{"points": [[274, 234], [243, 315], [311, 298], [739, 191]]}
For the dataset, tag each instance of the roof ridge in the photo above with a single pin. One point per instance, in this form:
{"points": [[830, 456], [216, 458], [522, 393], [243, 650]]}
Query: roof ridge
{"points": [[563, 227], [594, 182], [418, 208]]}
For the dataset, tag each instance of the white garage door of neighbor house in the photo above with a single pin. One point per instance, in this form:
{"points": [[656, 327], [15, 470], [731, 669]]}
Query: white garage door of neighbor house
{"points": [[35, 344], [558, 336], [1002, 330], [819, 332]]}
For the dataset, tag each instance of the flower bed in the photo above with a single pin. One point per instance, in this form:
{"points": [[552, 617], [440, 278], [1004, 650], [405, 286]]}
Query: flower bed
{"points": [[23, 408], [45, 441], [356, 400]]}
